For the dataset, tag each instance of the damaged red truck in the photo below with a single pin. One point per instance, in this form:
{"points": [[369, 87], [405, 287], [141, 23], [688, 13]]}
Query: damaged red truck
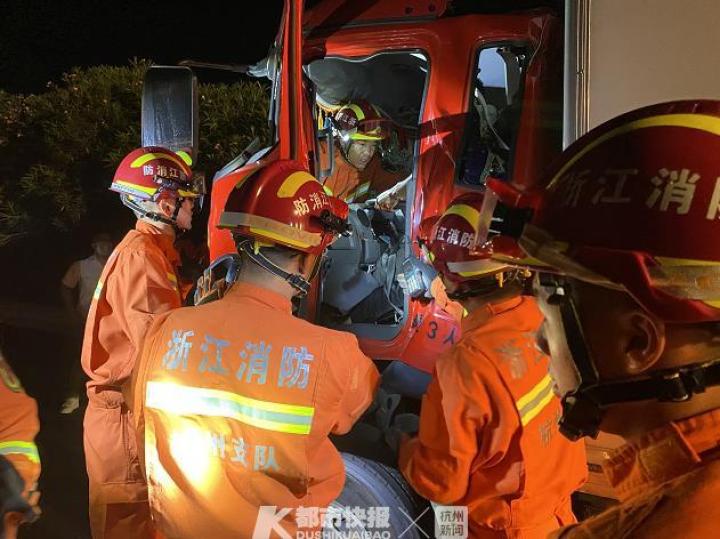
{"points": [[475, 90]]}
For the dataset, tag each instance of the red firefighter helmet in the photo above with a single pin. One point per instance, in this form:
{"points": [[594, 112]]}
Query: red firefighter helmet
{"points": [[153, 173], [634, 205], [452, 242], [282, 204], [361, 121]]}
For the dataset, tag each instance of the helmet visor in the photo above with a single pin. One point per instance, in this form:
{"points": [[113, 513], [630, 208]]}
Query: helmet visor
{"points": [[372, 130], [194, 188]]}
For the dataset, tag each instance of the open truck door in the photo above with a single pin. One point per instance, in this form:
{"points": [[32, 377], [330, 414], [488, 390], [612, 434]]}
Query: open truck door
{"points": [[290, 119], [479, 95]]}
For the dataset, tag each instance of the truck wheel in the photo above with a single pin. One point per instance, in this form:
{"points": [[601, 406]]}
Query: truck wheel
{"points": [[371, 484]]}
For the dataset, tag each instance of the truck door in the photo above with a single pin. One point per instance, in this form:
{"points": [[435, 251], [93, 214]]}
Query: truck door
{"points": [[290, 118]]}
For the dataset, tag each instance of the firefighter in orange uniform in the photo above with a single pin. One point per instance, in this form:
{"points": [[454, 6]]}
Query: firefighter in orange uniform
{"points": [[19, 459], [488, 434], [629, 223], [235, 399], [138, 282], [358, 173]]}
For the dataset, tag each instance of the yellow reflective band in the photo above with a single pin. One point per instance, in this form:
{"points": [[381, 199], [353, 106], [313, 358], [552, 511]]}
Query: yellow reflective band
{"points": [[470, 214], [366, 136], [533, 402], [16, 447], [702, 276], [270, 228], [98, 290], [356, 109], [293, 183], [327, 190], [667, 261], [479, 272], [149, 190], [187, 194], [280, 237], [140, 161], [274, 416], [173, 280], [703, 122], [527, 261], [362, 189], [473, 268], [185, 157]]}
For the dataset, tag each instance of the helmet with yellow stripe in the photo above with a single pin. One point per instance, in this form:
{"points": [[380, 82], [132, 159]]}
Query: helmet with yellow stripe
{"points": [[361, 121], [634, 205], [452, 243], [283, 205], [151, 174]]}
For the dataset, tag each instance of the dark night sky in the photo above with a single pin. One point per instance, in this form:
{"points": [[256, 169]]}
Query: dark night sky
{"points": [[40, 39]]}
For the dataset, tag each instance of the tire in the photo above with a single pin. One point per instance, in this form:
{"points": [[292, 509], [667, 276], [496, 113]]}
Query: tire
{"points": [[371, 484]]}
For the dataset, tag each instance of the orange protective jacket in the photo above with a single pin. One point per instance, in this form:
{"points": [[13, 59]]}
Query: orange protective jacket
{"points": [[234, 403], [18, 427], [488, 434], [138, 282], [668, 482], [353, 185]]}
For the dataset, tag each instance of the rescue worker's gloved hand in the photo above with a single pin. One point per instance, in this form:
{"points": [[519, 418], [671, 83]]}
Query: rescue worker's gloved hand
{"points": [[416, 278], [454, 308], [389, 199]]}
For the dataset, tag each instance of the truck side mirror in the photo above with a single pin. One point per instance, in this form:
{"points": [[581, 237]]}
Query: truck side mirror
{"points": [[170, 109]]}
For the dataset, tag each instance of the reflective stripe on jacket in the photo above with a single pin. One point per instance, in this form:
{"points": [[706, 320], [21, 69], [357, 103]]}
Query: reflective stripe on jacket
{"points": [[234, 402], [353, 185], [18, 427], [138, 282], [488, 429]]}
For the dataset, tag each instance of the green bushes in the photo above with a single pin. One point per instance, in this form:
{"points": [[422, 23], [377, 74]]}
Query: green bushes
{"points": [[59, 149]]}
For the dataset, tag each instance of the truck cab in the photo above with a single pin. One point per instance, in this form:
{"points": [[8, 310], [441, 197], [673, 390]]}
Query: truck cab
{"points": [[470, 93]]}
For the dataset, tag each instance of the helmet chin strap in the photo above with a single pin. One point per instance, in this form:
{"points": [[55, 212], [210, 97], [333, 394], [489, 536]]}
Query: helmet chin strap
{"points": [[584, 408], [176, 211], [297, 281], [134, 206]]}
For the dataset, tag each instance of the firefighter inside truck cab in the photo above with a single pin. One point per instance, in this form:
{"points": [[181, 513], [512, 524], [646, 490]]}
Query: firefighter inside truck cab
{"points": [[626, 232], [488, 436], [234, 399], [358, 172]]}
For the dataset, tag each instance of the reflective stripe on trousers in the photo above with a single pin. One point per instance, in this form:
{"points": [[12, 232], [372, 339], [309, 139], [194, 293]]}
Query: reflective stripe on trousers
{"points": [[17, 447]]}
